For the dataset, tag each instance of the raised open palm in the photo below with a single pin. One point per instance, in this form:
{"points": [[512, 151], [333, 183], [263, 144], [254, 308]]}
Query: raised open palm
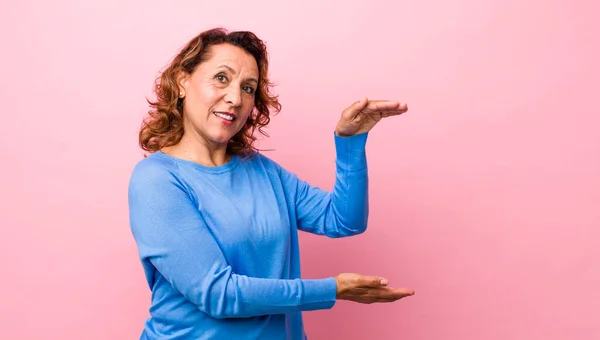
{"points": [[363, 115]]}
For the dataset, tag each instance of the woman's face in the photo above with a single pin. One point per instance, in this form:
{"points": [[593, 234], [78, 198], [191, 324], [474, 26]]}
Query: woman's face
{"points": [[219, 95]]}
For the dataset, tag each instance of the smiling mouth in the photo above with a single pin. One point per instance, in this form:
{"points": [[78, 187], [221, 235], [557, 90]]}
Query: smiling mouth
{"points": [[225, 115]]}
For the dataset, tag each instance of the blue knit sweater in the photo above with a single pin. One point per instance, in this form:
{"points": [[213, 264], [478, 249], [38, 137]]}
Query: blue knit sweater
{"points": [[219, 245]]}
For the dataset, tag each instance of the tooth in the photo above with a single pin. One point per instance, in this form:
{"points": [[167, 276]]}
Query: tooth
{"points": [[224, 116]]}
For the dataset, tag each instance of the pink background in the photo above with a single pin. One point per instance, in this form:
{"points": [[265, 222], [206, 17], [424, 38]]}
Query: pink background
{"points": [[485, 195]]}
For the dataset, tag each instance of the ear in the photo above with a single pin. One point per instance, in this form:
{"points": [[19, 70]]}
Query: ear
{"points": [[183, 79]]}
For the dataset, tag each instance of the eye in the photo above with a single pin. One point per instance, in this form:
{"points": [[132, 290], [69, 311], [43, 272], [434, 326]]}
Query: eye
{"points": [[249, 89], [221, 77]]}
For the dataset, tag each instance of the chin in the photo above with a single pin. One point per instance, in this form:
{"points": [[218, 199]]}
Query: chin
{"points": [[218, 135], [221, 139]]}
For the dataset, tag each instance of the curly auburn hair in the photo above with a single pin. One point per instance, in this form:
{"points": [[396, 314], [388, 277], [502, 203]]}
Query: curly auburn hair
{"points": [[164, 125]]}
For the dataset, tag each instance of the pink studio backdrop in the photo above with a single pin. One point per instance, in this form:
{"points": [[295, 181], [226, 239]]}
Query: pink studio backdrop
{"points": [[485, 196]]}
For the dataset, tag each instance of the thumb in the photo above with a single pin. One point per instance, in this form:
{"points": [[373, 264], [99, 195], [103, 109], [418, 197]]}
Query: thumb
{"points": [[361, 103], [376, 281], [355, 108]]}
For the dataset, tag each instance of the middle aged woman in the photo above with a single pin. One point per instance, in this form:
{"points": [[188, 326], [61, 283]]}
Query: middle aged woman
{"points": [[216, 222]]}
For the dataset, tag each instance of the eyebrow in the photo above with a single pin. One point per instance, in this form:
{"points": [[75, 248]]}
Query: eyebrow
{"points": [[233, 71]]}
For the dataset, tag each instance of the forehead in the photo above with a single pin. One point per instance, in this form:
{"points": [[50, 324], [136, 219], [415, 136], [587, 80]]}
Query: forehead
{"points": [[232, 56]]}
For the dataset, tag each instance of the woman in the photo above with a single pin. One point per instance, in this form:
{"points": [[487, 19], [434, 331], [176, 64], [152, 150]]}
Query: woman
{"points": [[216, 222]]}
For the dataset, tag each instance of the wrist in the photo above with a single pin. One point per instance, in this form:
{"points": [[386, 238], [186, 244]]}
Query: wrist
{"points": [[341, 134], [340, 288], [351, 151]]}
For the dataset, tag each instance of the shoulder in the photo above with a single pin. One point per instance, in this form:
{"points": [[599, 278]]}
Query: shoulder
{"points": [[153, 172], [274, 169], [261, 161], [266, 167]]}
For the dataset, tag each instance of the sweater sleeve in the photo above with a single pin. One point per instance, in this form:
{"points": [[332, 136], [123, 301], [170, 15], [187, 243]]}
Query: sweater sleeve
{"points": [[344, 210], [173, 238]]}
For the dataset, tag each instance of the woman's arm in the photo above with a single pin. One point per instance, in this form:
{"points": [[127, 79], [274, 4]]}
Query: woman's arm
{"points": [[172, 236], [343, 211]]}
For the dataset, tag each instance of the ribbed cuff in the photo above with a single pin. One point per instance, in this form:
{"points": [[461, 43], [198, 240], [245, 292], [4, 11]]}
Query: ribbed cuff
{"points": [[350, 151], [320, 294]]}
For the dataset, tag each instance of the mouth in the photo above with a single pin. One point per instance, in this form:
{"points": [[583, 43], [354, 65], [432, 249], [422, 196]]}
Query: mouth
{"points": [[228, 116]]}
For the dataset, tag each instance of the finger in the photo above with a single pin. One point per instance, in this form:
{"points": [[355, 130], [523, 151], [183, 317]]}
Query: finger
{"points": [[385, 105], [378, 115], [399, 109], [386, 114], [398, 293], [404, 291], [393, 295]]}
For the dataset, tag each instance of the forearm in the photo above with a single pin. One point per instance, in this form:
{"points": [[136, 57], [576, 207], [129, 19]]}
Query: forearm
{"points": [[240, 296], [350, 195], [343, 211], [224, 294], [192, 263]]}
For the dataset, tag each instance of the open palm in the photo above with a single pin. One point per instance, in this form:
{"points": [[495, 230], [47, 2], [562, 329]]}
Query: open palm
{"points": [[363, 115]]}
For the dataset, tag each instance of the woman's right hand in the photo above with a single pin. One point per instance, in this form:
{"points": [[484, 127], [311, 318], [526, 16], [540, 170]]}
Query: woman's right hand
{"points": [[368, 289]]}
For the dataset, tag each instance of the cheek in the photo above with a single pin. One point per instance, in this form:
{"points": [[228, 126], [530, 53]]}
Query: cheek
{"points": [[199, 103], [248, 109], [205, 98], [203, 93]]}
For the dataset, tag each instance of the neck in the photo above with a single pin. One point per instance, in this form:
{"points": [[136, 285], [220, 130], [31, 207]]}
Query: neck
{"points": [[199, 151]]}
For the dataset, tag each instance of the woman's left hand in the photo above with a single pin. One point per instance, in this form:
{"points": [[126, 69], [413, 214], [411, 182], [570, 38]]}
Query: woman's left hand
{"points": [[362, 116]]}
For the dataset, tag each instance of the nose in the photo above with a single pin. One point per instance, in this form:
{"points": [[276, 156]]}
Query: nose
{"points": [[233, 96]]}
